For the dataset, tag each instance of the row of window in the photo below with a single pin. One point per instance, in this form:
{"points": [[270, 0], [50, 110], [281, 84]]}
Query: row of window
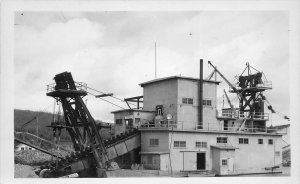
{"points": [[187, 100], [191, 101], [243, 140], [129, 122], [260, 141], [201, 144], [179, 144]]}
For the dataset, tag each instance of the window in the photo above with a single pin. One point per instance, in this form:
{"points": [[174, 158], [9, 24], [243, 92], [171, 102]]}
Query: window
{"points": [[260, 141], [221, 139], [201, 144], [129, 123], [200, 125], [179, 144], [154, 142], [137, 120], [224, 162], [243, 141], [207, 102], [270, 141], [22, 148], [30, 148], [159, 110], [118, 121], [187, 100], [277, 153]]}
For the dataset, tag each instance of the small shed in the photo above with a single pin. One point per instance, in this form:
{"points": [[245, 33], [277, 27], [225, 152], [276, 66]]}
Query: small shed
{"points": [[223, 157]]}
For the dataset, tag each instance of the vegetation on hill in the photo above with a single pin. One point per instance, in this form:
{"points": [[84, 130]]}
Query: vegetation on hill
{"points": [[38, 125]]}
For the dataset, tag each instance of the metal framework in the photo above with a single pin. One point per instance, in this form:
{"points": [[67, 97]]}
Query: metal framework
{"points": [[78, 121], [136, 99], [251, 86]]}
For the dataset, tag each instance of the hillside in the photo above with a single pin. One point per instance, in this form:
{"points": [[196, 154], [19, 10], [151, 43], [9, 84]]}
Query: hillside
{"points": [[42, 121]]}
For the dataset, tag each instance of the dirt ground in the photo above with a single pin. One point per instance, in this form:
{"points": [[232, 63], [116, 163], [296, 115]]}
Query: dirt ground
{"points": [[24, 171]]}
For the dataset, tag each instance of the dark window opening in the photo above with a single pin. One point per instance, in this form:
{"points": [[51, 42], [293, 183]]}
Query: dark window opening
{"points": [[224, 162], [179, 144], [225, 125], [207, 102], [129, 123], [243, 141], [260, 141], [159, 110], [118, 121], [270, 141], [221, 139], [154, 142], [201, 144], [187, 100], [200, 125]]}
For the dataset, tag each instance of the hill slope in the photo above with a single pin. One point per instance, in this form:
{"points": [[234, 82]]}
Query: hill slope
{"points": [[40, 124]]}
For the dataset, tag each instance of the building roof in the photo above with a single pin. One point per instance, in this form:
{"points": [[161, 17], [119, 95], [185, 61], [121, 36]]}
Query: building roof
{"points": [[224, 147], [131, 110], [176, 77]]}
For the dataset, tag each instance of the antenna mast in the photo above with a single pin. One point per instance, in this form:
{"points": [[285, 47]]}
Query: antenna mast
{"points": [[155, 58]]}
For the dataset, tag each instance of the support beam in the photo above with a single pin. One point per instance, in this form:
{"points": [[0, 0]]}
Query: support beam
{"points": [[104, 95]]}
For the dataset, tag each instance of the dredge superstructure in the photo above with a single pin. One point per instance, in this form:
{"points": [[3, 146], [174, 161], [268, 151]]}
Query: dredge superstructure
{"points": [[177, 130]]}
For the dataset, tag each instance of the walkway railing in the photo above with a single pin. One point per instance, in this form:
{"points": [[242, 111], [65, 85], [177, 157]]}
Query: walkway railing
{"points": [[160, 124], [235, 114], [79, 86], [213, 127], [263, 85]]}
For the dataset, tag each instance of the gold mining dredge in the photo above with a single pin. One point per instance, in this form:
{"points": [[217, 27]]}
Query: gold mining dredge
{"points": [[94, 156]]}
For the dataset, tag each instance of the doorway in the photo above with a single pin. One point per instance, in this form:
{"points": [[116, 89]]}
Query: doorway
{"points": [[225, 125], [200, 161]]}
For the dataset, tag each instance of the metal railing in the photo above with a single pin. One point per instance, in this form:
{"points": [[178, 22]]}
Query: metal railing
{"points": [[160, 124], [242, 115], [79, 86], [264, 84], [221, 128], [213, 127]]}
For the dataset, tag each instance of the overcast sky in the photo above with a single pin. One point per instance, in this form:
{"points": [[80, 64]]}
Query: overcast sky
{"points": [[114, 52]]}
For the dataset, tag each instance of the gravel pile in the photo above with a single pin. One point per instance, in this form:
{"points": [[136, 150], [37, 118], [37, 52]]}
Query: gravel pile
{"points": [[24, 171], [31, 157]]}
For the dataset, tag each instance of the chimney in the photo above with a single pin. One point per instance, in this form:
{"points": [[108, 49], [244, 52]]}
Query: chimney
{"points": [[200, 113]]}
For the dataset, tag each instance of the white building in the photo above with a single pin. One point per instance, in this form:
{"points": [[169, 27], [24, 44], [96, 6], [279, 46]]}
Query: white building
{"points": [[172, 138], [21, 147]]}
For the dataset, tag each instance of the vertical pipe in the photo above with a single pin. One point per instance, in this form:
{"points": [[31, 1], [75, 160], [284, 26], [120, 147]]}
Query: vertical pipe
{"points": [[200, 117]]}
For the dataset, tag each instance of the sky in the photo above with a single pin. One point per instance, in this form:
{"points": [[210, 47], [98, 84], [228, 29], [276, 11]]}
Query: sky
{"points": [[113, 52]]}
